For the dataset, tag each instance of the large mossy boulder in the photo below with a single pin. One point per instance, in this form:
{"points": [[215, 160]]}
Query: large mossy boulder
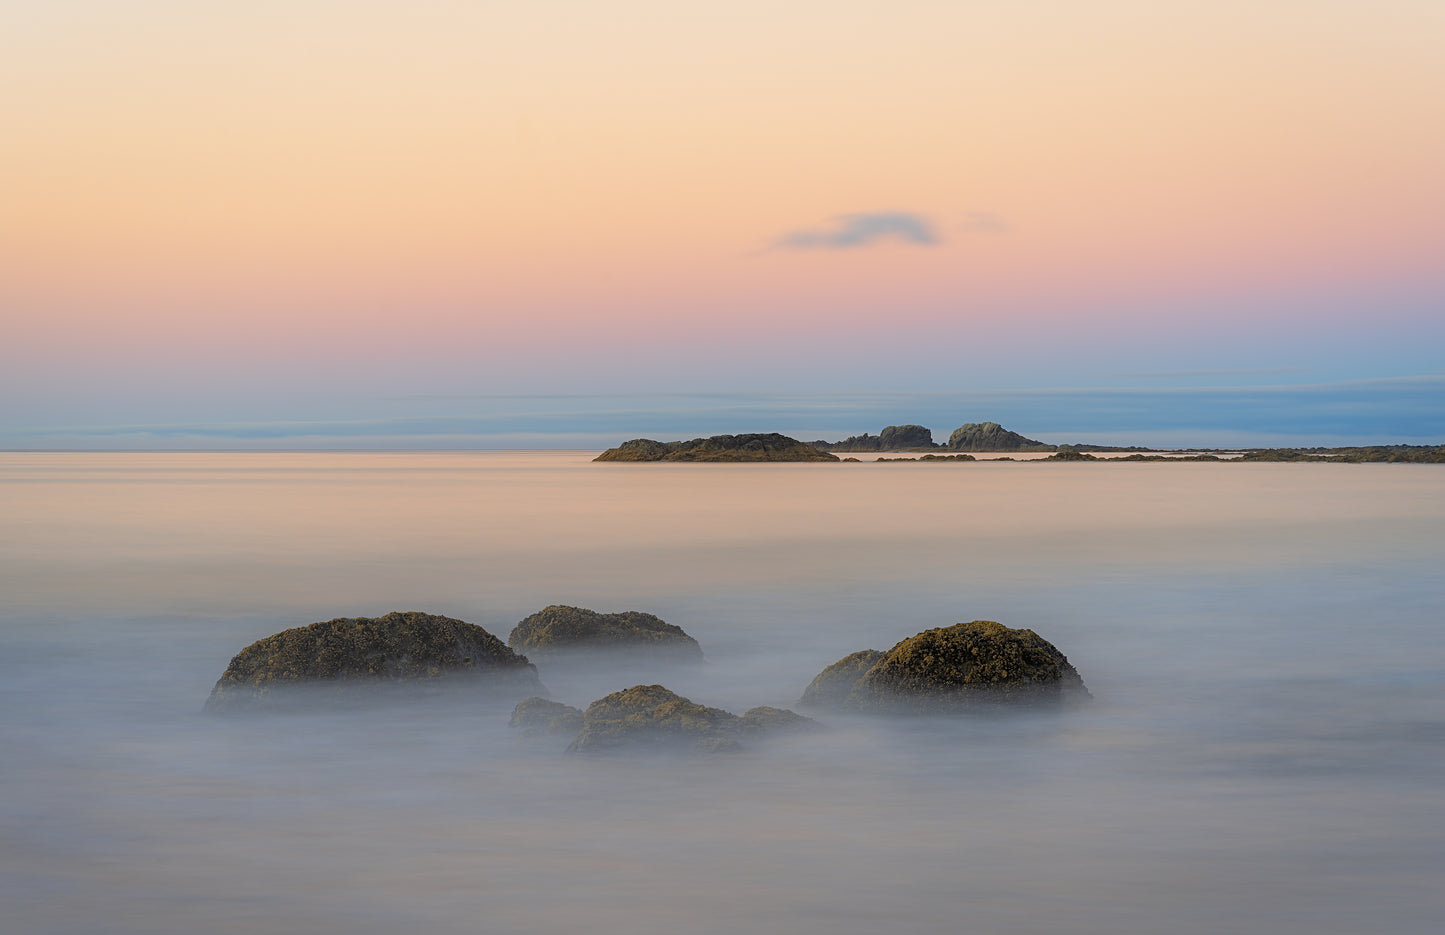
{"points": [[649, 718], [977, 665], [769, 446], [637, 635], [361, 658], [831, 686]]}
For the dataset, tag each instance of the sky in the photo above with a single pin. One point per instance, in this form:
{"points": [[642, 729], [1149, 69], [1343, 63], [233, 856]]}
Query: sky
{"points": [[365, 224]]}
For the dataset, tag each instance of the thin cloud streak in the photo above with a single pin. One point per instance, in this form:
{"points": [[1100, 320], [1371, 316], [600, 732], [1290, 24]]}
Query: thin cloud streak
{"points": [[851, 231]]}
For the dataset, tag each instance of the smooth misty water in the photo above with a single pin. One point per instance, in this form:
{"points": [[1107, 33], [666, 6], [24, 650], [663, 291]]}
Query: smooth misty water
{"points": [[1266, 752]]}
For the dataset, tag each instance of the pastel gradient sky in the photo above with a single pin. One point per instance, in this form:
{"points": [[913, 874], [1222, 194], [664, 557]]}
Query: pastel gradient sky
{"points": [[434, 224]]}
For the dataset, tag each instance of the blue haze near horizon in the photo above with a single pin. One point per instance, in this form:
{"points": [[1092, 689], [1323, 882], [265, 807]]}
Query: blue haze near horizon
{"points": [[1405, 410], [1263, 752]]}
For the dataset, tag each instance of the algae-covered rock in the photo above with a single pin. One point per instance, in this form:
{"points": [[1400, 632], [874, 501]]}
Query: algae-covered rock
{"points": [[651, 718], [640, 636], [831, 686], [539, 717], [968, 665], [768, 446], [351, 658]]}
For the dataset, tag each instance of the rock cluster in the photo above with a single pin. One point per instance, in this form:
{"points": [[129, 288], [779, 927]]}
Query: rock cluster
{"points": [[349, 655], [640, 635], [948, 670], [763, 447]]}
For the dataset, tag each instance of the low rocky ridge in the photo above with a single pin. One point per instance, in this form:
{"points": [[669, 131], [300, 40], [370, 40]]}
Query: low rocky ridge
{"points": [[539, 717], [952, 669], [651, 718], [643, 636], [763, 447], [355, 657]]}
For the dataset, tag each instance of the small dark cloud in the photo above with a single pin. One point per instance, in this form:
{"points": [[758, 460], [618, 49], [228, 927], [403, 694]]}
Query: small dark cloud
{"points": [[850, 231], [983, 222]]}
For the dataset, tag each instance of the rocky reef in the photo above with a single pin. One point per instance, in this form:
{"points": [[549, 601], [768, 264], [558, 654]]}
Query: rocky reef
{"points": [[990, 436], [559, 628], [743, 448], [351, 659], [951, 669], [649, 718]]}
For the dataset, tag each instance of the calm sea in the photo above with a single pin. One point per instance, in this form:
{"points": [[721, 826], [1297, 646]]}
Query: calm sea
{"points": [[1265, 752]]}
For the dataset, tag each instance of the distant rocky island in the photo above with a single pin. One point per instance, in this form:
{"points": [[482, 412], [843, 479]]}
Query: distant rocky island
{"points": [[981, 437], [767, 447]]}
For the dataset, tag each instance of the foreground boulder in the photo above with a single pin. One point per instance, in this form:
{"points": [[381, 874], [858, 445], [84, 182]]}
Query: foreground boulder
{"points": [[764, 447], [539, 717], [351, 658], [651, 718], [950, 669], [639, 635]]}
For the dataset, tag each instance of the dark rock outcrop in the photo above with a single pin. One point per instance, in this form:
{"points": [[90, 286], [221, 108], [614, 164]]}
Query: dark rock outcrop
{"points": [[831, 686], [650, 718], [990, 436], [642, 636], [764, 447], [894, 437], [538, 717], [355, 658], [967, 665]]}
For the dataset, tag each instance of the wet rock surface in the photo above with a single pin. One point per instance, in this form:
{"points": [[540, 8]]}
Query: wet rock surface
{"points": [[358, 658], [631, 633]]}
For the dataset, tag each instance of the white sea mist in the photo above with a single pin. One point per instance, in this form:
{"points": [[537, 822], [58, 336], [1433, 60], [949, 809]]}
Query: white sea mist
{"points": [[1264, 753]]}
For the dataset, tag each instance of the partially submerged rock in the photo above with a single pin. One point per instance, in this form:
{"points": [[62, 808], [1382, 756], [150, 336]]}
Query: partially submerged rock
{"points": [[640, 636], [951, 669], [539, 717], [831, 686], [757, 447], [351, 658], [651, 718], [964, 666]]}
